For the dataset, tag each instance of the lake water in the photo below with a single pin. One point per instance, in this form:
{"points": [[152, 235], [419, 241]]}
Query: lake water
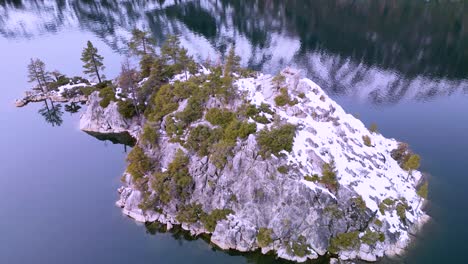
{"points": [[401, 64]]}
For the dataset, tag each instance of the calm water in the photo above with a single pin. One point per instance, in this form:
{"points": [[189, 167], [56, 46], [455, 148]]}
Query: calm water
{"points": [[401, 64]]}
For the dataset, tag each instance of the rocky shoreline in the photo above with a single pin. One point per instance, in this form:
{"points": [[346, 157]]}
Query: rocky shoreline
{"points": [[301, 214]]}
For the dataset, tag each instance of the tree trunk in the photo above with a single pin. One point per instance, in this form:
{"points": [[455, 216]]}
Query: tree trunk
{"points": [[96, 69]]}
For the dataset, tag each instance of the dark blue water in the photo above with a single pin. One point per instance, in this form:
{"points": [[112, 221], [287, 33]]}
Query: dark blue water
{"points": [[401, 64]]}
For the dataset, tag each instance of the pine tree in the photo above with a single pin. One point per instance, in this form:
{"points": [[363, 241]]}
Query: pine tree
{"points": [[232, 62], [141, 43], [37, 73], [186, 62], [93, 65], [171, 49], [412, 163]]}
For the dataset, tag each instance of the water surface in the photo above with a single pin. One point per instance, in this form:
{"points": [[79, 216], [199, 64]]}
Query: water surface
{"points": [[401, 64]]}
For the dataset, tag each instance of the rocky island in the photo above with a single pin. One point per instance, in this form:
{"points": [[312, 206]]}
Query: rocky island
{"points": [[254, 160]]}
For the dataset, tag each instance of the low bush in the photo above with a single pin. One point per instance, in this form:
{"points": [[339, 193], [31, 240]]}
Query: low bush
{"points": [[264, 237], [138, 163], [299, 247], [329, 176], [211, 220], [359, 203], [345, 241], [367, 141], [201, 138], [126, 109], [371, 237], [107, 95], [283, 98], [276, 140], [189, 213], [150, 135], [282, 169], [220, 117]]}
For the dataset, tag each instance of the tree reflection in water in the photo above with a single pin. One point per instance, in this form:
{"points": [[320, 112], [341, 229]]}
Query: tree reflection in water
{"points": [[52, 113]]}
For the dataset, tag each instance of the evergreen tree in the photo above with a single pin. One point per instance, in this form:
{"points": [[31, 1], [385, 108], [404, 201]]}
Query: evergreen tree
{"points": [[93, 65], [141, 43], [232, 62], [171, 48], [186, 62], [37, 73], [412, 163]]}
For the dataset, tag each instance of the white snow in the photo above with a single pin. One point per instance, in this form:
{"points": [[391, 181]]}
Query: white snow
{"points": [[370, 171]]}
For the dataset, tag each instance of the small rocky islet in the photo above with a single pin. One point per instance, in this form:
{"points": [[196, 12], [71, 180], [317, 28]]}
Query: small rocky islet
{"points": [[254, 160]]}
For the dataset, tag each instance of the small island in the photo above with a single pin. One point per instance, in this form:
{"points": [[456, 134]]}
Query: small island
{"points": [[257, 162]]}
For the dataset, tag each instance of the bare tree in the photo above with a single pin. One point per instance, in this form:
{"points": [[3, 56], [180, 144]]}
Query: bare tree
{"points": [[37, 73]]}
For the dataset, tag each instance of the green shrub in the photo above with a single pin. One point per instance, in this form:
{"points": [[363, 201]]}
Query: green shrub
{"points": [[282, 169], [192, 112], [329, 176], [189, 213], [220, 152], [237, 129], [283, 98], [370, 237], [107, 95], [87, 90], [412, 163], [173, 127], [221, 117], [276, 140], [163, 102], [423, 190], [378, 223], [388, 201], [150, 135], [278, 80], [126, 109], [345, 241], [211, 220], [138, 163], [264, 237], [201, 138], [334, 211], [322, 98], [299, 247], [314, 178], [359, 203], [367, 141], [401, 211]]}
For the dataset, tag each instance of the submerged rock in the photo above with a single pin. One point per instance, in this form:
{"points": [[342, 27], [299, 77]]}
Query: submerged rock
{"points": [[307, 218]]}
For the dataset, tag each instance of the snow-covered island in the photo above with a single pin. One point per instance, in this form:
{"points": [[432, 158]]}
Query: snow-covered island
{"points": [[256, 161]]}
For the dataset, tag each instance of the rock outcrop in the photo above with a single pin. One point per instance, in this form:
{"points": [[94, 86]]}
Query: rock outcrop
{"points": [[306, 218], [106, 120]]}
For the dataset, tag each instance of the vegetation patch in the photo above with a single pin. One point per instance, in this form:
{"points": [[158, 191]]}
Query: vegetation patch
{"points": [[264, 237], [299, 247], [138, 163], [344, 241], [176, 181], [276, 140], [283, 98], [211, 220], [371, 237], [367, 141]]}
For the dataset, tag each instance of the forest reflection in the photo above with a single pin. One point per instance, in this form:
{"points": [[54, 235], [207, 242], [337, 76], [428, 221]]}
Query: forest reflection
{"points": [[382, 51]]}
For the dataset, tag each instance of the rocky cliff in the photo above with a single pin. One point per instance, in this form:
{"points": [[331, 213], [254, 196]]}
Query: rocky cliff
{"points": [[280, 202]]}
